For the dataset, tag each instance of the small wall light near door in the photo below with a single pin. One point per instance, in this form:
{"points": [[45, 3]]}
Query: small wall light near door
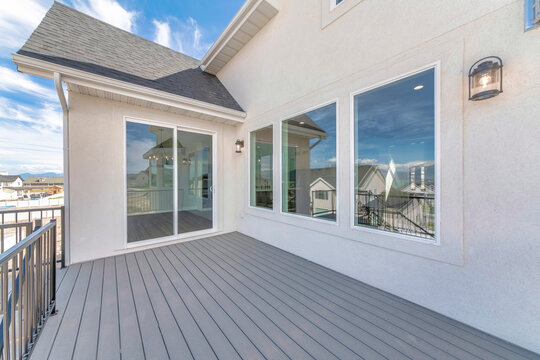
{"points": [[485, 78], [239, 146]]}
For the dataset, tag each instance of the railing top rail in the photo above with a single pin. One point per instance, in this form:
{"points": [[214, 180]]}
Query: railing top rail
{"points": [[20, 224], [27, 241], [25, 210]]}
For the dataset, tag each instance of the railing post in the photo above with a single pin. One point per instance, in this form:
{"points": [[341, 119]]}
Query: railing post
{"points": [[38, 224], [63, 238], [53, 275]]}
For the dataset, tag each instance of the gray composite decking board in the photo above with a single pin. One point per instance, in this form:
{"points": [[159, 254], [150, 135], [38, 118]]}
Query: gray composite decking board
{"points": [[241, 343], [151, 334], [490, 348], [66, 335], [401, 349], [445, 339], [198, 345], [480, 341], [329, 346], [387, 331], [265, 323], [232, 297], [351, 336], [130, 332], [47, 336], [214, 335], [258, 337], [172, 336], [301, 338], [87, 335], [108, 340], [60, 274]]}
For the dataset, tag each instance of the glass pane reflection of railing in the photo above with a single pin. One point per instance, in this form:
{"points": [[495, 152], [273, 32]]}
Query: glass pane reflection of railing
{"points": [[412, 215], [156, 200], [149, 201]]}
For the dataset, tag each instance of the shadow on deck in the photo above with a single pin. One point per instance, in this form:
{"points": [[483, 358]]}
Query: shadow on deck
{"points": [[232, 297]]}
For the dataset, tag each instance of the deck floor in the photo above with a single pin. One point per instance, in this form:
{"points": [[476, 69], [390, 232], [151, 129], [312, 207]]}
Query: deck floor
{"points": [[232, 297]]}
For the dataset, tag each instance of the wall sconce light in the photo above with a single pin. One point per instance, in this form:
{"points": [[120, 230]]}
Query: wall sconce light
{"points": [[239, 145], [485, 78]]}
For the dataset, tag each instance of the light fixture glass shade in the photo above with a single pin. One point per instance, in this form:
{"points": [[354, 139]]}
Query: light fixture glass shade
{"points": [[239, 145], [485, 78]]}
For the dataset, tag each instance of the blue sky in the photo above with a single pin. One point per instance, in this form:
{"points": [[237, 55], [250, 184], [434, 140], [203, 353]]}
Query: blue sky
{"points": [[395, 121], [30, 115]]}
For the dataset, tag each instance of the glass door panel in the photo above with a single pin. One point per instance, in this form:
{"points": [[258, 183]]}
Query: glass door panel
{"points": [[150, 181], [195, 182]]}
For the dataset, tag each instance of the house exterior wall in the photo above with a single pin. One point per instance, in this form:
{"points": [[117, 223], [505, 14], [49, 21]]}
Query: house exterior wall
{"points": [[485, 271], [97, 172]]}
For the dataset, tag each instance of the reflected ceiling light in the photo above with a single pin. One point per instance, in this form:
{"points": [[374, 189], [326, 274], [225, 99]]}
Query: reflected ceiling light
{"points": [[485, 78], [419, 87], [239, 145], [302, 123]]}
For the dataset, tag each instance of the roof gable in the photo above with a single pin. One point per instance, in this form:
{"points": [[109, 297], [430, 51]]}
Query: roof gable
{"points": [[69, 38]]}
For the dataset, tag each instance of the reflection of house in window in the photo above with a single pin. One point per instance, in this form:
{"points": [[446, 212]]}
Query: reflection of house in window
{"points": [[323, 192], [303, 171]]}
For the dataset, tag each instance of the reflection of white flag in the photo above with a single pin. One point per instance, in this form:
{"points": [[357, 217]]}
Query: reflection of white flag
{"points": [[390, 177]]}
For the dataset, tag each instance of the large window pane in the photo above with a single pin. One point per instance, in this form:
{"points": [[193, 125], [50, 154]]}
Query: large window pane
{"points": [[261, 166], [309, 164], [149, 164], [394, 147]]}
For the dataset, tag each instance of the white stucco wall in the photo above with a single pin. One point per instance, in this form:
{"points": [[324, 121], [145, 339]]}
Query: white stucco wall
{"points": [[486, 269], [96, 173]]}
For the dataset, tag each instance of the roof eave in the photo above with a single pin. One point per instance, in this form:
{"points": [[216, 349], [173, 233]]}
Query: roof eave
{"points": [[46, 69], [249, 20]]}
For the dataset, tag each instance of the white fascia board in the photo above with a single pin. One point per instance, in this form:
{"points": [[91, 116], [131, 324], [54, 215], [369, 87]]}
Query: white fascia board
{"points": [[46, 69], [244, 14]]}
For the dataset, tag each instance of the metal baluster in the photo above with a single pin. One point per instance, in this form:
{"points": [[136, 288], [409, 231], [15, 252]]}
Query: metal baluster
{"points": [[5, 309], [13, 306], [19, 305], [53, 268], [38, 282], [25, 301]]}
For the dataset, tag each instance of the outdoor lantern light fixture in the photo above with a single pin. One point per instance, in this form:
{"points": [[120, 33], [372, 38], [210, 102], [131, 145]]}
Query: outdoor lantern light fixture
{"points": [[239, 145], [485, 78]]}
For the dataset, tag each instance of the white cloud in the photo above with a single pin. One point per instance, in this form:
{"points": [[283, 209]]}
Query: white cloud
{"points": [[17, 21], [183, 36], [162, 35], [13, 81], [366, 161], [30, 138], [109, 11]]}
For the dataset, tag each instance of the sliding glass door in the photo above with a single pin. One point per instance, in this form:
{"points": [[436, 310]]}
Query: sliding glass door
{"points": [[160, 185]]}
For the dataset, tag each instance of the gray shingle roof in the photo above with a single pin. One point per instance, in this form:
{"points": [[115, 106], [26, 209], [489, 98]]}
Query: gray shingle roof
{"points": [[9, 178], [70, 38]]}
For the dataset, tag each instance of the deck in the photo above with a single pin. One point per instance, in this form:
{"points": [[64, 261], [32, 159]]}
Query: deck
{"points": [[232, 297]]}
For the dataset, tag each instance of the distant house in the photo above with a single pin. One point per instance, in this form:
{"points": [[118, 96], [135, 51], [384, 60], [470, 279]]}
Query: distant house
{"points": [[44, 181], [322, 192], [10, 181], [8, 194]]}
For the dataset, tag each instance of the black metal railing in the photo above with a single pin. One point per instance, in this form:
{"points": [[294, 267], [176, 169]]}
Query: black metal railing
{"points": [[14, 225], [27, 290], [412, 214]]}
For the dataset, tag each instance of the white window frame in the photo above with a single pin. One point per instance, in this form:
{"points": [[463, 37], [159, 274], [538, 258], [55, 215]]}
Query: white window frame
{"points": [[273, 169], [334, 4], [300, 216], [215, 207], [437, 111]]}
